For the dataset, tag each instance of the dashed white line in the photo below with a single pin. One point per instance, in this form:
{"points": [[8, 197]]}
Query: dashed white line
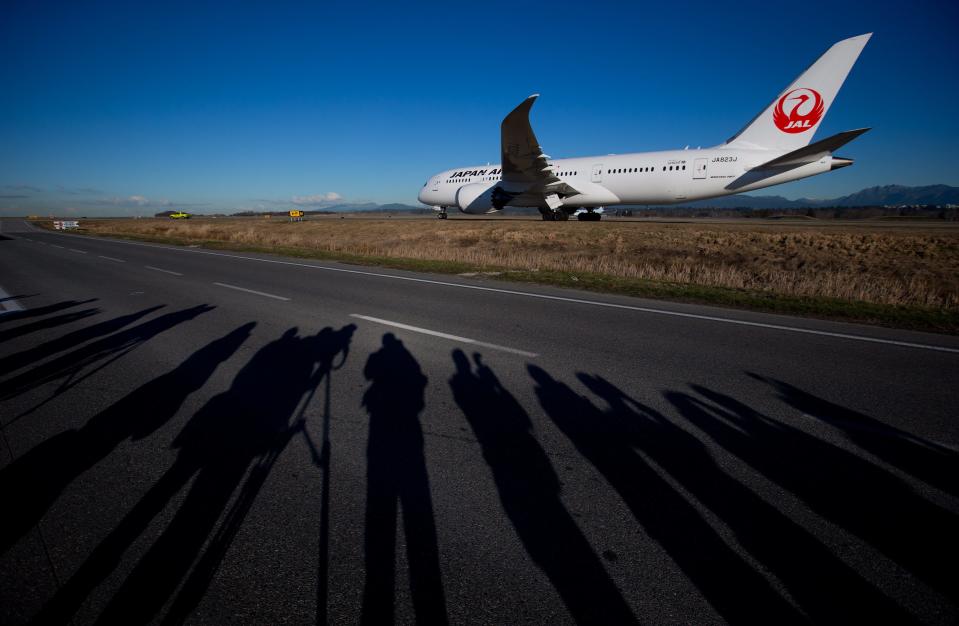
{"points": [[542, 296], [110, 258], [8, 304], [436, 333], [56, 246], [75, 250], [160, 269], [259, 293]]}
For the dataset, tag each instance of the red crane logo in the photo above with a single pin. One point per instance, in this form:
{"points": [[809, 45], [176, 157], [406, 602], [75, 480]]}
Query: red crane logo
{"points": [[805, 108]]}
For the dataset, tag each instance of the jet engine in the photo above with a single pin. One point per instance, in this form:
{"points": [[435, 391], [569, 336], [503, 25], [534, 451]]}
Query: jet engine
{"points": [[476, 198]]}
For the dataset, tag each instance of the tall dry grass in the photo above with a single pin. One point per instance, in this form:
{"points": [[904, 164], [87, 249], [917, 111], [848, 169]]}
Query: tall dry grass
{"points": [[872, 263]]}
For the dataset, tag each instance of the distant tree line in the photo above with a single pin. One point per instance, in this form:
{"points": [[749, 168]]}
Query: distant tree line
{"points": [[947, 213], [867, 212]]}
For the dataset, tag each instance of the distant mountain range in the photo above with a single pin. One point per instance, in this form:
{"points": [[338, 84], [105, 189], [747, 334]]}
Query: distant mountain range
{"points": [[887, 195]]}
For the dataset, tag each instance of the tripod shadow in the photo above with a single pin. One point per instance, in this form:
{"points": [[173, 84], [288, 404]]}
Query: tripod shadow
{"points": [[239, 433], [529, 489], [327, 347], [397, 476], [30, 484]]}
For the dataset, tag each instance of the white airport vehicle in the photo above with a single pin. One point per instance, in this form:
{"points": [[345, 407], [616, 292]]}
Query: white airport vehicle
{"points": [[772, 149]]}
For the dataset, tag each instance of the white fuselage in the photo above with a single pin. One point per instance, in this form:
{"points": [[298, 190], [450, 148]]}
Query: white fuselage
{"points": [[773, 148], [643, 178]]}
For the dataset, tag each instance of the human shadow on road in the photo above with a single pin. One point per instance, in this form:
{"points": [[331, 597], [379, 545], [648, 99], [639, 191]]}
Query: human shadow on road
{"points": [[70, 340], [822, 585], [848, 490], [330, 349], [609, 441], [238, 433], [40, 311], [76, 366], [31, 483], [397, 478], [926, 460], [44, 324], [529, 490]]}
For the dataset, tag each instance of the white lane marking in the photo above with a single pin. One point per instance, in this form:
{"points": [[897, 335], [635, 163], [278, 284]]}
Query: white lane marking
{"points": [[436, 333], [259, 293], [56, 246], [110, 258], [75, 250], [159, 269], [541, 296], [8, 304]]}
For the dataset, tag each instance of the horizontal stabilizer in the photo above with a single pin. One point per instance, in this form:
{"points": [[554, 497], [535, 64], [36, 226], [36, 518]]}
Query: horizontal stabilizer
{"points": [[814, 151]]}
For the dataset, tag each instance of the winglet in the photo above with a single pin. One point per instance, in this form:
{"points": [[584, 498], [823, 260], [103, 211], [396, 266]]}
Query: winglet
{"points": [[519, 145]]}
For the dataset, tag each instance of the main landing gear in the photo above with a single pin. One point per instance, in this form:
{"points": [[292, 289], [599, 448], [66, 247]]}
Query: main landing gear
{"points": [[550, 215], [561, 215]]}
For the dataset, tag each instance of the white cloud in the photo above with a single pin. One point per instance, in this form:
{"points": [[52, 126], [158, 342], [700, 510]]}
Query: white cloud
{"points": [[135, 200], [316, 199]]}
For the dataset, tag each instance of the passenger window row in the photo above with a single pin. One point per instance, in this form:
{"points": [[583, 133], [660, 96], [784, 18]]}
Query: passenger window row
{"points": [[633, 170], [621, 170]]}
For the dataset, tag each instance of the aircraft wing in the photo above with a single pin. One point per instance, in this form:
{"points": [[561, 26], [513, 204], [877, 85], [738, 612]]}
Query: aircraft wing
{"points": [[523, 158]]}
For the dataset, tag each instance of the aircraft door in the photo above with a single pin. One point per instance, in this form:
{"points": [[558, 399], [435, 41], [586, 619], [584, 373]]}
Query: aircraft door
{"points": [[597, 176], [699, 170]]}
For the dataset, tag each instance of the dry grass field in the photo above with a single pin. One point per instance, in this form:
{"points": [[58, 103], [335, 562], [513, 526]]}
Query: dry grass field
{"points": [[878, 262]]}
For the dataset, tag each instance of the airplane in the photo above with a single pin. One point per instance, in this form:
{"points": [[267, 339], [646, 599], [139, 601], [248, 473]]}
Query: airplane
{"points": [[773, 148]]}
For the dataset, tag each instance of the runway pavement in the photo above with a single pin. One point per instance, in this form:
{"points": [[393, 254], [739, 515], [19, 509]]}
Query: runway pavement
{"points": [[215, 437]]}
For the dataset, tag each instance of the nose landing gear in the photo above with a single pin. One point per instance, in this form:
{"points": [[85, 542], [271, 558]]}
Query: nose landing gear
{"points": [[442, 215]]}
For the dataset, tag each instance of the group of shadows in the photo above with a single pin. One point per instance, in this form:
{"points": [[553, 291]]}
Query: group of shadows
{"points": [[228, 448]]}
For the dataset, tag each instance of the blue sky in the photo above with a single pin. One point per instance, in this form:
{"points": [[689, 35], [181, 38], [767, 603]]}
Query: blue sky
{"points": [[127, 108]]}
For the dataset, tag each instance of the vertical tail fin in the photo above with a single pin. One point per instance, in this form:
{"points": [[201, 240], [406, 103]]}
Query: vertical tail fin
{"points": [[791, 120]]}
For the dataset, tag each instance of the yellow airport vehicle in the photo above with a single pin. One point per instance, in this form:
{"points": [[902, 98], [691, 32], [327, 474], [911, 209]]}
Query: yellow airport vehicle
{"points": [[180, 215]]}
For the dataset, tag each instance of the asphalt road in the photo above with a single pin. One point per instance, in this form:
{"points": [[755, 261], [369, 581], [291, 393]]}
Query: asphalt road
{"points": [[214, 437]]}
